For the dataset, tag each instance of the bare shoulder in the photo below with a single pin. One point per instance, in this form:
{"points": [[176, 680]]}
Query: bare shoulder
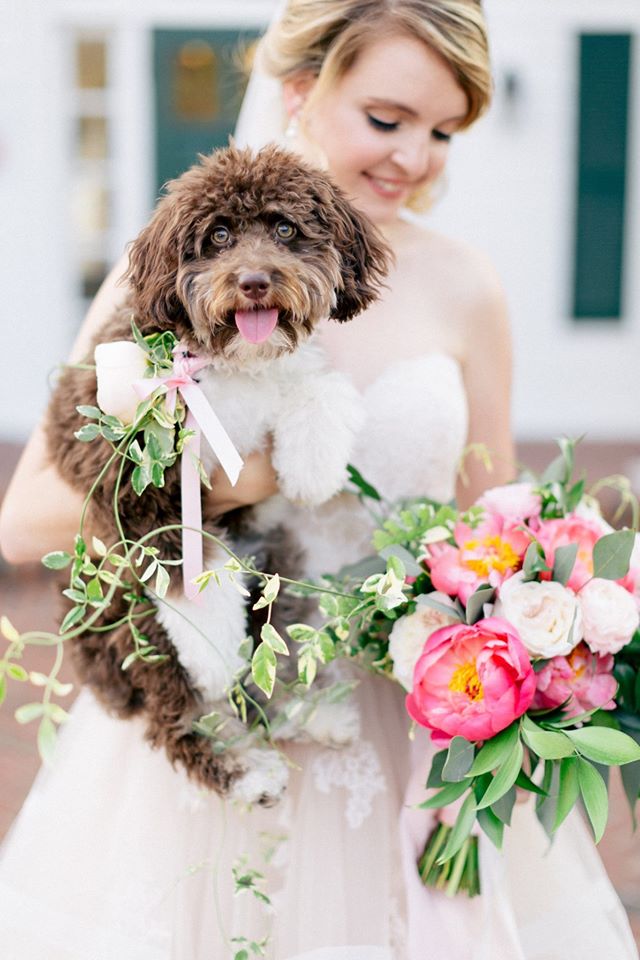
{"points": [[467, 281]]}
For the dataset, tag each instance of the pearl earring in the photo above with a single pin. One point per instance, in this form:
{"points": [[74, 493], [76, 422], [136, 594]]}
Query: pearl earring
{"points": [[293, 127]]}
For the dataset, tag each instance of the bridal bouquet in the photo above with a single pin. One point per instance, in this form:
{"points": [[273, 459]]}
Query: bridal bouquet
{"points": [[513, 627]]}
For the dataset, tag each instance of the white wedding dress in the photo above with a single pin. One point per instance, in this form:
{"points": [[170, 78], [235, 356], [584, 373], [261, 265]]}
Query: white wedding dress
{"points": [[115, 856]]}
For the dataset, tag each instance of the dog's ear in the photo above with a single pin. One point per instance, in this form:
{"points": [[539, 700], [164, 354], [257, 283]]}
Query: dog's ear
{"points": [[155, 256], [365, 256]]}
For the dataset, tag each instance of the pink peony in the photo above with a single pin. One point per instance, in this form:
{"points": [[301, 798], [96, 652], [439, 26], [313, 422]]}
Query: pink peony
{"points": [[471, 681], [488, 553], [571, 529], [583, 676], [513, 501]]}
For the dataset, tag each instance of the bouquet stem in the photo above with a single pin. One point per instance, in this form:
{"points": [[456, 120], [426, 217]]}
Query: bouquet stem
{"points": [[459, 874]]}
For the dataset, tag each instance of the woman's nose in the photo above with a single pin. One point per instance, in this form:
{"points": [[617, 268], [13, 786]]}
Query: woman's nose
{"points": [[413, 156]]}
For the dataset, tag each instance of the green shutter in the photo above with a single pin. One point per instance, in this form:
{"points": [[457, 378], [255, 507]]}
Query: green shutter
{"points": [[199, 82], [601, 177]]}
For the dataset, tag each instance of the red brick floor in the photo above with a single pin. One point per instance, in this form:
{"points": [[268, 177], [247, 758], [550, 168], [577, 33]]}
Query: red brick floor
{"points": [[28, 596]]}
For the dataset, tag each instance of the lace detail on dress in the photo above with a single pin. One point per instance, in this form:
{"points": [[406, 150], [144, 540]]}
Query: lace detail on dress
{"points": [[357, 769], [397, 931]]}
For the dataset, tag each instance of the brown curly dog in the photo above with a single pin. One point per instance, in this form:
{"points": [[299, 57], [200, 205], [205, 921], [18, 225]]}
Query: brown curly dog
{"points": [[243, 257]]}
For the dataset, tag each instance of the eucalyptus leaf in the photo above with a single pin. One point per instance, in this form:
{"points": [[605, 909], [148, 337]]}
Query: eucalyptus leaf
{"points": [[492, 825], [594, 796], [461, 829], [612, 553], [411, 567], [495, 751], [503, 807], [504, 778], [563, 562], [435, 773], [477, 600], [452, 791], [459, 760], [534, 561], [568, 789], [630, 774], [547, 744], [604, 745]]}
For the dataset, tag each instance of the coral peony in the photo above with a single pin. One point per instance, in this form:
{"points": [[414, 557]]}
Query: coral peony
{"points": [[585, 531], [411, 632], [488, 553], [471, 681], [582, 676]]}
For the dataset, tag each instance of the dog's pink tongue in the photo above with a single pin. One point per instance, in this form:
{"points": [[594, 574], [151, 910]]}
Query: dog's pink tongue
{"points": [[256, 325]]}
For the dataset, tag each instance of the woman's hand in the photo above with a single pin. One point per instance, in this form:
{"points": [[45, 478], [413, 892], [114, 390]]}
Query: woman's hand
{"points": [[256, 482]]}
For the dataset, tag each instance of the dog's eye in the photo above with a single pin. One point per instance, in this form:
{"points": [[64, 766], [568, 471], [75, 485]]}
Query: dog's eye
{"points": [[285, 230], [220, 236]]}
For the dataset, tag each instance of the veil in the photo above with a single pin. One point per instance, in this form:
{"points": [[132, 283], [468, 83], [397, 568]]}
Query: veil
{"points": [[262, 116]]}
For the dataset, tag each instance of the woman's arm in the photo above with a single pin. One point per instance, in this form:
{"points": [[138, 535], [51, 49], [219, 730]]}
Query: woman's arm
{"points": [[487, 376], [41, 512]]}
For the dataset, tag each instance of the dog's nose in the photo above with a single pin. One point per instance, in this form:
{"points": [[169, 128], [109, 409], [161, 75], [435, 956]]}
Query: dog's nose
{"points": [[254, 285]]}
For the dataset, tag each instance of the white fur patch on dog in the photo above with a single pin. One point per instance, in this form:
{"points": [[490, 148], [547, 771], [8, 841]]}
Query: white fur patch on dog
{"points": [[266, 776], [207, 635]]}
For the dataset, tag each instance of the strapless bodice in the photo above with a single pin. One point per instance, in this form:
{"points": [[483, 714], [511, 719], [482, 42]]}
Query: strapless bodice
{"points": [[415, 428]]}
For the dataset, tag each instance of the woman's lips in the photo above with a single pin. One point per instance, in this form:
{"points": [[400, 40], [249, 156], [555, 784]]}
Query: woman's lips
{"points": [[391, 189]]}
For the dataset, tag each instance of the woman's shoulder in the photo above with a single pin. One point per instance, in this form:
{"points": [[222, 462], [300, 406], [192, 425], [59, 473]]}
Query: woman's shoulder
{"points": [[461, 270]]}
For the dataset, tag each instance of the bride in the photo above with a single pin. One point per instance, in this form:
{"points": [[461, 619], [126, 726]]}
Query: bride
{"points": [[115, 856]]}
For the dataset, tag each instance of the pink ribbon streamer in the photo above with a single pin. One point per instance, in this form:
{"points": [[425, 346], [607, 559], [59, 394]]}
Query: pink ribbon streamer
{"points": [[202, 420]]}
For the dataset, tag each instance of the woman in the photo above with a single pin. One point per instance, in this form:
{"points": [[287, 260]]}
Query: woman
{"points": [[141, 864]]}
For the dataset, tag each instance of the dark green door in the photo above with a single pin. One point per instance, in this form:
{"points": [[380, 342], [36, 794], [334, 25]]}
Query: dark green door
{"points": [[199, 83]]}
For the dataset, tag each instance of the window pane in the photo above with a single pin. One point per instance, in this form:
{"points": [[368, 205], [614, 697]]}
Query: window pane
{"points": [[92, 138], [91, 64]]}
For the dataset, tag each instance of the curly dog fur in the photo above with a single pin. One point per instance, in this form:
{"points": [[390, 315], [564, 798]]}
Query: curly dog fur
{"points": [[237, 232]]}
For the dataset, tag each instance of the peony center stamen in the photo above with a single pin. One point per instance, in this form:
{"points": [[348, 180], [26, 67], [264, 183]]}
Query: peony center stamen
{"points": [[492, 553], [465, 680]]}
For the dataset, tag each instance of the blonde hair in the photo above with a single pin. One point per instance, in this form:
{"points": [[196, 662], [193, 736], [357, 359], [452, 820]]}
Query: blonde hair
{"points": [[325, 37]]}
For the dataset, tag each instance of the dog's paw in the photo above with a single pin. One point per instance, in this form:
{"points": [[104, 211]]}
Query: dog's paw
{"points": [[314, 438], [264, 779]]}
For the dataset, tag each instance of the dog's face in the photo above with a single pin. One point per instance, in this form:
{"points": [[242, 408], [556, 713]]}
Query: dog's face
{"points": [[248, 252]]}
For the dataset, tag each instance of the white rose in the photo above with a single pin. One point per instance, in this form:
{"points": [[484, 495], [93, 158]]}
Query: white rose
{"points": [[118, 365], [546, 615], [410, 633], [609, 615]]}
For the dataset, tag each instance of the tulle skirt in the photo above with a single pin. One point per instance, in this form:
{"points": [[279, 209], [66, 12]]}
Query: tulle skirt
{"points": [[116, 856]]}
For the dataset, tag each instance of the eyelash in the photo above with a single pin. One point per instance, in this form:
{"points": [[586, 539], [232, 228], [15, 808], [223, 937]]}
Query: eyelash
{"points": [[382, 124], [388, 127]]}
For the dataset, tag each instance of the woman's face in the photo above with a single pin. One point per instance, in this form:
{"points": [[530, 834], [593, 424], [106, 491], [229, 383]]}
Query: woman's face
{"points": [[384, 127]]}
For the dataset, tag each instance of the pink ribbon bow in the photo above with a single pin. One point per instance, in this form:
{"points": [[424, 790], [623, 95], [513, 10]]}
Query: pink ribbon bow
{"points": [[201, 419]]}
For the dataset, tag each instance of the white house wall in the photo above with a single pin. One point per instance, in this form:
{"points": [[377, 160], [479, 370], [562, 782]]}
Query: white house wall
{"points": [[511, 190]]}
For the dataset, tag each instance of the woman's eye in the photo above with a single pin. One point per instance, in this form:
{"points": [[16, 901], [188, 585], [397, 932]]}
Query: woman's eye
{"points": [[382, 124], [220, 236], [285, 231], [443, 137]]}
